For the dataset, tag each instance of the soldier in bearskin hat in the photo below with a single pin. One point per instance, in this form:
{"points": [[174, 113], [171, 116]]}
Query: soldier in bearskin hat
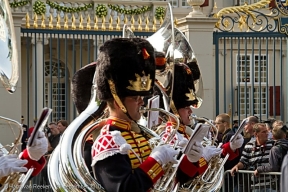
{"points": [[122, 159], [183, 98]]}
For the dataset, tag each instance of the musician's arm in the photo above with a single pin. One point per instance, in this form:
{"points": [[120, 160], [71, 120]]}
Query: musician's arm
{"points": [[116, 174], [36, 165], [188, 171], [227, 150]]}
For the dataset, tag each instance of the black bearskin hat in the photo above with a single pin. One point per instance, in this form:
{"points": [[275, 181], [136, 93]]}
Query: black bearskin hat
{"points": [[129, 64], [81, 86], [195, 69], [183, 89]]}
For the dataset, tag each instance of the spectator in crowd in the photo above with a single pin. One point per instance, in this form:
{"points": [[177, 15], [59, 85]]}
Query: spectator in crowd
{"points": [[235, 126], [53, 141], [54, 138], [248, 129], [62, 125], [25, 134], [269, 123], [222, 123], [256, 153], [277, 152]]}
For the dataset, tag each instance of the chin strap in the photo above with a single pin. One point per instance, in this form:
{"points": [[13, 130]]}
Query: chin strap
{"points": [[118, 100]]}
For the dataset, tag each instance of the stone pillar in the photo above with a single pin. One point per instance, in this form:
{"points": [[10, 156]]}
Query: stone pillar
{"points": [[37, 75], [195, 4], [199, 32]]}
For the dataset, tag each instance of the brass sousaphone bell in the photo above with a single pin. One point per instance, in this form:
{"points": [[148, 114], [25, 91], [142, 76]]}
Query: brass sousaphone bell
{"points": [[177, 49], [9, 73]]}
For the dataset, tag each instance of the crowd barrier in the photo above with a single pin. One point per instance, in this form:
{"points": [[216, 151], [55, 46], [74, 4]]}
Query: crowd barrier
{"points": [[245, 181]]}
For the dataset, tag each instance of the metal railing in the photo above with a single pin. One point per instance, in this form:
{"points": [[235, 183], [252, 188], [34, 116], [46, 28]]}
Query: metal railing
{"points": [[246, 181]]}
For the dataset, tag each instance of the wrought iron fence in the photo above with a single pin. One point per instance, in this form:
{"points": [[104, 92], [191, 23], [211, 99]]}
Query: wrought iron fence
{"points": [[251, 71], [49, 60]]}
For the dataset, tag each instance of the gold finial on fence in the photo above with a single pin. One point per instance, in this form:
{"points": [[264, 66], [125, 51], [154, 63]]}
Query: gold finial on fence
{"points": [[118, 24], [50, 21], [161, 21], [125, 20], [27, 20], [154, 24], [103, 27], [35, 24], [66, 21], [73, 26], [81, 22], [140, 23], [175, 22], [88, 26], [147, 24], [58, 20], [110, 23], [132, 23], [95, 23], [43, 26]]}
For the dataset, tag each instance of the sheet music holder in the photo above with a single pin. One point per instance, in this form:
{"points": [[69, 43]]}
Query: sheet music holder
{"points": [[153, 116], [40, 124], [240, 129], [200, 131]]}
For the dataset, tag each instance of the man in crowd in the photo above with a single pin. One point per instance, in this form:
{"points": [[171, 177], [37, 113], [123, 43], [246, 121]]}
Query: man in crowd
{"points": [[248, 129], [62, 125], [255, 152], [277, 152], [54, 137]]}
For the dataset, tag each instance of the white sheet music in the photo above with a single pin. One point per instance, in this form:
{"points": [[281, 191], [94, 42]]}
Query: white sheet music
{"points": [[153, 116]]}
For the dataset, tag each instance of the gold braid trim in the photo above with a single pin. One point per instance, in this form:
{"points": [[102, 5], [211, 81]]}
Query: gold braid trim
{"points": [[173, 108], [115, 96]]}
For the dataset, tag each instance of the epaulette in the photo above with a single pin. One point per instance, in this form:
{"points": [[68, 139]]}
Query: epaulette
{"points": [[107, 144]]}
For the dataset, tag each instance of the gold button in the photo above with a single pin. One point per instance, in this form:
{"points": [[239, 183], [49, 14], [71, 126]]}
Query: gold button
{"points": [[114, 123], [153, 175], [150, 171]]}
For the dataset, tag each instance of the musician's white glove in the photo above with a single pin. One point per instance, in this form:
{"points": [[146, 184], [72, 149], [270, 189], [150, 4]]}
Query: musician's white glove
{"points": [[182, 141], [39, 146], [10, 164], [211, 151], [195, 153], [237, 143], [164, 154]]}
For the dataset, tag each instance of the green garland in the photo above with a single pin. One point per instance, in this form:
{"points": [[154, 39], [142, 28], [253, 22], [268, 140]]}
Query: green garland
{"points": [[159, 13], [19, 4], [101, 10], [39, 7], [137, 11], [69, 9]]}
